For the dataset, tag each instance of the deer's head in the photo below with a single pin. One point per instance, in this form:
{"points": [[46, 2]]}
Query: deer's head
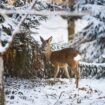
{"points": [[45, 48]]}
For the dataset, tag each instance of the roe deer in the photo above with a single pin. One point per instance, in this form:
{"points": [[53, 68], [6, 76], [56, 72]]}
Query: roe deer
{"points": [[62, 58]]}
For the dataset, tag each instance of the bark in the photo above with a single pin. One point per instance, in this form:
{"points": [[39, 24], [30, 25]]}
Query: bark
{"points": [[71, 28], [1, 81]]}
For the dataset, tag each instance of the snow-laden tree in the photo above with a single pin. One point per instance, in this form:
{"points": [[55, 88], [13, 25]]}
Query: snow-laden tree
{"points": [[24, 49], [92, 37], [17, 47], [91, 40]]}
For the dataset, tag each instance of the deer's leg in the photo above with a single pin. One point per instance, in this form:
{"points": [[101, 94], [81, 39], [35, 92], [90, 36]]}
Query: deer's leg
{"points": [[67, 73], [56, 72], [74, 67], [77, 74]]}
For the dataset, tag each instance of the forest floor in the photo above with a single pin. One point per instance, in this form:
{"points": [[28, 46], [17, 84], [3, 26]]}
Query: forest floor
{"points": [[63, 92]]}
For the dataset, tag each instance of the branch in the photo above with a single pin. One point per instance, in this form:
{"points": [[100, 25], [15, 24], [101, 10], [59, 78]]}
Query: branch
{"points": [[59, 97], [44, 13], [79, 39], [4, 49], [92, 64]]}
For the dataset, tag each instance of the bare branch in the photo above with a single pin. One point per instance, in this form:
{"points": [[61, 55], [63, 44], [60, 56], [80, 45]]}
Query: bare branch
{"points": [[59, 97]]}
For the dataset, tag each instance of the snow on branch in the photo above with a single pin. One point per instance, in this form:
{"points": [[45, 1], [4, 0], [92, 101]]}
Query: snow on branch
{"points": [[93, 64], [44, 12], [4, 49]]}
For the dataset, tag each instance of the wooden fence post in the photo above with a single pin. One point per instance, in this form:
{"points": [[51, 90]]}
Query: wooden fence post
{"points": [[71, 28]]}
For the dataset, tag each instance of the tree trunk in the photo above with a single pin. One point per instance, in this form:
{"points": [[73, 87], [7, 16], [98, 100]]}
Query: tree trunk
{"points": [[1, 82]]}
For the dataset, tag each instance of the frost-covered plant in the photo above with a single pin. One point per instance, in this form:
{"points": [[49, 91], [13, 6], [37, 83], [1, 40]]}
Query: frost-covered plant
{"points": [[90, 40]]}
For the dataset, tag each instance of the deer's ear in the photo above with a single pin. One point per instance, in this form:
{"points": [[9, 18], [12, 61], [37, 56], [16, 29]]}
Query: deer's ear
{"points": [[50, 39], [42, 40]]}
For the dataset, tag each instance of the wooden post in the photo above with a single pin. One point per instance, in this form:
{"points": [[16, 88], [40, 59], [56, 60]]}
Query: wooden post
{"points": [[71, 28], [1, 81]]}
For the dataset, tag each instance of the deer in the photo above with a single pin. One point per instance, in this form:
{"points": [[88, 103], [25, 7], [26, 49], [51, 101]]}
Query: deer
{"points": [[62, 59]]}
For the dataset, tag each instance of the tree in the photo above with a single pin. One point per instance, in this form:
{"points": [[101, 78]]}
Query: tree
{"points": [[5, 42], [92, 37]]}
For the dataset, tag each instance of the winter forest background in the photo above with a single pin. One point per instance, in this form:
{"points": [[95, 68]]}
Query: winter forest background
{"points": [[27, 75]]}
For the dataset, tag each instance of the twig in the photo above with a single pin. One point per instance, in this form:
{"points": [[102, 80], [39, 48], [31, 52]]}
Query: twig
{"points": [[59, 97]]}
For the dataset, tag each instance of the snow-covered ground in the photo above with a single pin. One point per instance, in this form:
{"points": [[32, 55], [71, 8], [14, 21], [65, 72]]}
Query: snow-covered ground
{"points": [[41, 92], [80, 24]]}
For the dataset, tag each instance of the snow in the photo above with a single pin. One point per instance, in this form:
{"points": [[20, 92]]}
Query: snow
{"points": [[93, 64], [93, 8], [5, 37], [78, 57], [56, 27], [63, 92], [81, 23]]}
